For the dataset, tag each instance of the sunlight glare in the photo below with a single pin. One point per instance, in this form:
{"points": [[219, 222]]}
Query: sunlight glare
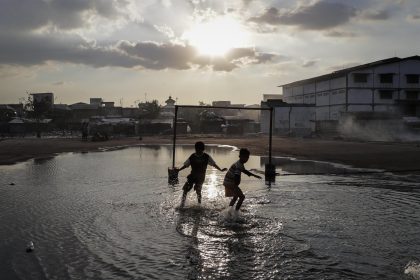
{"points": [[216, 37], [212, 189]]}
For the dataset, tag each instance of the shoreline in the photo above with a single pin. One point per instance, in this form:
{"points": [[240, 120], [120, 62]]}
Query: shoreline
{"points": [[397, 157]]}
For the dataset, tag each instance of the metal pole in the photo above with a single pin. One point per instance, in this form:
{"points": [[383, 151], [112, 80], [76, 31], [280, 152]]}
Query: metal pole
{"points": [[174, 138], [271, 135], [270, 169]]}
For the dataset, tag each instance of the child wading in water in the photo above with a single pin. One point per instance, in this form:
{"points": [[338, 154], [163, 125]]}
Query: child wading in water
{"points": [[233, 179], [198, 162]]}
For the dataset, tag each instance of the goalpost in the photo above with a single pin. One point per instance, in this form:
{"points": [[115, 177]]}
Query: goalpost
{"points": [[270, 169]]}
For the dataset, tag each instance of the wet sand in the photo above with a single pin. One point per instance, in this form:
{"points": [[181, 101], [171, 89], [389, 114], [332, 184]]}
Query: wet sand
{"points": [[379, 155]]}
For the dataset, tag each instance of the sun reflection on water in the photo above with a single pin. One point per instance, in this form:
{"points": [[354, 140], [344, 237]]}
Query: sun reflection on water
{"points": [[214, 184]]}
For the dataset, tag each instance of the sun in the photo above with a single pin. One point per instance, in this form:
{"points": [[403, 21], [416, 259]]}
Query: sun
{"points": [[216, 36]]}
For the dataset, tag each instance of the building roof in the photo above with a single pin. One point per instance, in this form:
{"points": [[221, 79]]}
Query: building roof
{"points": [[345, 71], [81, 105], [61, 107], [6, 107], [41, 93]]}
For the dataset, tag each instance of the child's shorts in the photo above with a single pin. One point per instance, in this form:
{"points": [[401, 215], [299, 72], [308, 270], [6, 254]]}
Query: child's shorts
{"points": [[196, 181], [232, 190]]}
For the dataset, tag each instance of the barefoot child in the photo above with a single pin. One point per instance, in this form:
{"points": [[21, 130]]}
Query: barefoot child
{"points": [[198, 162], [233, 179]]}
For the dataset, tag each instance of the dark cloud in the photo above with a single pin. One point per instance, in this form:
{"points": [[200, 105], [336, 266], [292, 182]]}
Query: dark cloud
{"points": [[270, 16], [21, 45], [320, 15], [24, 15], [161, 56], [246, 3], [340, 34], [36, 49], [309, 63], [376, 15]]}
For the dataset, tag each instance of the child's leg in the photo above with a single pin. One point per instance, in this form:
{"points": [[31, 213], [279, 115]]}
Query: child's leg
{"points": [[240, 194], [186, 188], [198, 188], [232, 202], [241, 199]]}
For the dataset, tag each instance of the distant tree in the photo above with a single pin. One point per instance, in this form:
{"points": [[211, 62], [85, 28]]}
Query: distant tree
{"points": [[202, 103], [36, 109], [149, 110], [195, 116]]}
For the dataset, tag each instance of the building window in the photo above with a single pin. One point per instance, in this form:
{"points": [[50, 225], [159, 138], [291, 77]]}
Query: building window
{"points": [[412, 95], [385, 94], [360, 77], [386, 78], [412, 78]]}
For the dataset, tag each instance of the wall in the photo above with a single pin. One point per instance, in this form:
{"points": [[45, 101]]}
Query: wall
{"points": [[294, 120]]}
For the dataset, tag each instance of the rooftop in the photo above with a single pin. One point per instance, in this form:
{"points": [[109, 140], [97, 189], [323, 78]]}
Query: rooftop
{"points": [[345, 71]]}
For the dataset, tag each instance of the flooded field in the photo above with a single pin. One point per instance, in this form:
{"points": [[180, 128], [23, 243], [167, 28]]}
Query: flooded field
{"points": [[112, 215]]}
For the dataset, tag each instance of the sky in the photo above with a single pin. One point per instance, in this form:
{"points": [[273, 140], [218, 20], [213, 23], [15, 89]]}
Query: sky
{"points": [[131, 51]]}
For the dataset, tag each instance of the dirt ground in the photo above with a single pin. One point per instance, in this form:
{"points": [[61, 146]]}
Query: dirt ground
{"points": [[388, 156]]}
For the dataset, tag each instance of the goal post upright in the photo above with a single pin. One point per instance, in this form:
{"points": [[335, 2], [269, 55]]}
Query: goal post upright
{"points": [[270, 170], [172, 172]]}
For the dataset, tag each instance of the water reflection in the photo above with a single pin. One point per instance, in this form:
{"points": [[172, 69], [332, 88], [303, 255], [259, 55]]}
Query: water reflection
{"points": [[42, 160], [112, 215], [187, 225]]}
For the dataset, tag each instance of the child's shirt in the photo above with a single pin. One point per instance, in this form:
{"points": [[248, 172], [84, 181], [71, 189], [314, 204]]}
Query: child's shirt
{"points": [[199, 163], [235, 170]]}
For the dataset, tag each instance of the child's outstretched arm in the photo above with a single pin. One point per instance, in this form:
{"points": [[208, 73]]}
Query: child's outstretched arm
{"points": [[213, 163], [218, 168], [251, 174], [182, 167]]}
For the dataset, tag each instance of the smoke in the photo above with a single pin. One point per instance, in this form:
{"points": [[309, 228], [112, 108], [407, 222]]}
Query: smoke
{"points": [[387, 130]]}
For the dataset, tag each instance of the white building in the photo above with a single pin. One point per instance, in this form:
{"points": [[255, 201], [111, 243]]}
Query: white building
{"points": [[390, 86], [288, 119]]}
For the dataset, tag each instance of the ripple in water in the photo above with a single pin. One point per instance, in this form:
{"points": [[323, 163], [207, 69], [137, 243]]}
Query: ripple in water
{"points": [[111, 215]]}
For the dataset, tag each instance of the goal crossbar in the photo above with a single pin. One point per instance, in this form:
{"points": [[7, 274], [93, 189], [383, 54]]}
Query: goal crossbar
{"points": [[267, 172]]}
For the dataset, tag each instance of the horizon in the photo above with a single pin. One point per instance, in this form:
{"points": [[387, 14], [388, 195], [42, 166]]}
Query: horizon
{"points": [[133, 51]]}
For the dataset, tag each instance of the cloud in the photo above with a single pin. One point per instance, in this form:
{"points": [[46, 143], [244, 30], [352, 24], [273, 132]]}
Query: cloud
{"points": [[309, 63], [317, 16], [376, 15], [344, 66], [58, 83], [166, 30], [340, 34], [246, 3], [175, 56], [24, 15], [414, 17], [159, 56], [35, 49]]}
